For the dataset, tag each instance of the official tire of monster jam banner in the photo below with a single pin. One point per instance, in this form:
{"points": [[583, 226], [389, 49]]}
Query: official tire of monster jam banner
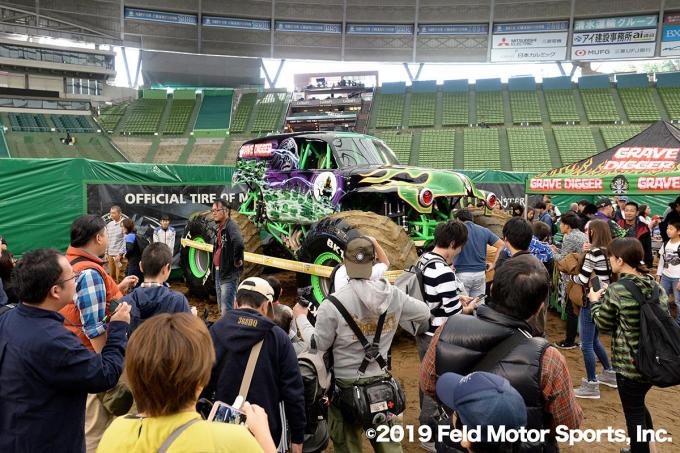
{"points": [[145, 204]]}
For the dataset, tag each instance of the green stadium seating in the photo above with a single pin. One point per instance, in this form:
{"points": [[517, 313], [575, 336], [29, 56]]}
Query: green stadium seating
{"points": [[399, 142], [215, 112], [490, 107], [613, 135], [28, 122], [455, 108], [481, 149], [47, 145], [671, 100], [143, 116], [243, 111], [389, 110], [528, 149], [639, 105], [524, 107], [109, 117], [599, 105], [561, 106], [180, 113], [423, 106], [71, 123], [574, 143], [269, 111], [437, 149]]}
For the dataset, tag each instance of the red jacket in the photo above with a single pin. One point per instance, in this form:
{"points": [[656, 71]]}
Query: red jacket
{"points": [[70, 312]]}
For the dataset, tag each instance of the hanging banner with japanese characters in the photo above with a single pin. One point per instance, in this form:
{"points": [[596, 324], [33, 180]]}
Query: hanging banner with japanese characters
{"points": [[532, 41], [614, 38]]}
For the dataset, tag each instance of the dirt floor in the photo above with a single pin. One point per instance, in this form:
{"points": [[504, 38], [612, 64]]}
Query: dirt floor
{"points": [[664, 404]]}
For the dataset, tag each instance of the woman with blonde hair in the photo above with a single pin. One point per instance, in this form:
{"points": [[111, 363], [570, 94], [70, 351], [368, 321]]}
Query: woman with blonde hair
{"points": [[167, 363]]}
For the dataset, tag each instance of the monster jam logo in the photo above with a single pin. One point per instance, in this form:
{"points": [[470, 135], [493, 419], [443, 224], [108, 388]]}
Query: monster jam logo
{"points": [[619, 185]]}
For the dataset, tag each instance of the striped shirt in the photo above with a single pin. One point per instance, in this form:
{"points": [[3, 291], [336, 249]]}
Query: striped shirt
{"points": [[114, 233], [620, 312], [595, 261], [442, 290]]}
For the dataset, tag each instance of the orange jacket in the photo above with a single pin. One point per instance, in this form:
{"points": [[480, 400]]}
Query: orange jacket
{"points": [[81, 260]]}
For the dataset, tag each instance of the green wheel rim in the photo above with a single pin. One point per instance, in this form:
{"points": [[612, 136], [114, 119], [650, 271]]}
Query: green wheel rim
{"points": [[199, 260], [320, 285]]}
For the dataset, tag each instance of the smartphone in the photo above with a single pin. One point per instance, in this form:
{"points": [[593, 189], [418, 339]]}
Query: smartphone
{"points": [[479, 300], [596, 283], [112, 309], [223, 412]]}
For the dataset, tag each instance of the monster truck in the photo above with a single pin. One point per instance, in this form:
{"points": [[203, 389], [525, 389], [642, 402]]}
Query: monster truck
{"points": [[308, 193]]}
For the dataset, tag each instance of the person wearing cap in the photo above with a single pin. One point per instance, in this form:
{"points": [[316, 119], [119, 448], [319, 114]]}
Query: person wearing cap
{"points": [[367, 300], [483, 400], [165, 233], [605, 211], [379, 268], [276, 377], [498, 340], [620, 206]]}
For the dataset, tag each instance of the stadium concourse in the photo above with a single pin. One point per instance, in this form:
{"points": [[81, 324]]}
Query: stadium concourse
{"points": [[179, 177]]}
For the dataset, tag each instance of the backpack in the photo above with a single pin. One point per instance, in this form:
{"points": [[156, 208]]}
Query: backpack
{"points": [[411, 282], [317, 381], [658, 355]]}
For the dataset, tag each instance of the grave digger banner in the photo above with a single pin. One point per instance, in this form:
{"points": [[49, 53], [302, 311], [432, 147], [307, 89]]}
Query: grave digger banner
{"points": [[646, 164]]}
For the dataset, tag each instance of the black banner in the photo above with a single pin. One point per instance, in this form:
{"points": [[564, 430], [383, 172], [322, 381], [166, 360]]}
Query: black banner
{"points": [[145, 204]]}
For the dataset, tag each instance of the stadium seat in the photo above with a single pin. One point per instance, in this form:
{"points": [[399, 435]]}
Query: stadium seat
{"points": [[389, 110], [243, 111], [490, 107], [399, 142], [528, 149], [574, 143], [671, 100], [180, 113], [109, 117], [455, 108], [599, 105], [481, 149], [639, 105], [72, 124], [613, 135], [524, 107], [143, 116], [561, 106], [437, 149], [423, 107], [269, 112]]}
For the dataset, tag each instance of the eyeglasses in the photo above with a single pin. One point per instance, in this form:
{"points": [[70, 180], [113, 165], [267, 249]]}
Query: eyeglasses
{"points": [[64, 280]]}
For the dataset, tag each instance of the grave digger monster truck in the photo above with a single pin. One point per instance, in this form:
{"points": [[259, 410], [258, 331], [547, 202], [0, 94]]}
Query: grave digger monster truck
{"points": [[308, 193]]}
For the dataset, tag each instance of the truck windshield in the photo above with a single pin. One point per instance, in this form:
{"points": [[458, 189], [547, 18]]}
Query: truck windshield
{"points": [[357, 151]]}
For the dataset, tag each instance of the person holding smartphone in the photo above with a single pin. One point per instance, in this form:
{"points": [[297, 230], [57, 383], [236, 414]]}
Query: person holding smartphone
{"points": [[168, 363], [595, 263]]}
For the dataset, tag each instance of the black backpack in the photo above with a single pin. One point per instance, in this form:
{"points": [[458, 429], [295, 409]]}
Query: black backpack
{"points": [[658, 355], [317, 379]]}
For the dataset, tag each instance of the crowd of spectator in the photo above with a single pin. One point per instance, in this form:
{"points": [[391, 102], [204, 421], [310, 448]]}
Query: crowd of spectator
{"points": [[92, 360]]}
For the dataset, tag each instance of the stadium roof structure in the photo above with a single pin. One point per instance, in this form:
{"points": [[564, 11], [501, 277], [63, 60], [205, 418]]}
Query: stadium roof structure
{"points": [[351, 30]]}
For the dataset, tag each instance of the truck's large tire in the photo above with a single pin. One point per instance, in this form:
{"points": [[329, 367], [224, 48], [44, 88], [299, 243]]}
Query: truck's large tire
{"points": [[493, 221], [325, 241], [195, 263]]}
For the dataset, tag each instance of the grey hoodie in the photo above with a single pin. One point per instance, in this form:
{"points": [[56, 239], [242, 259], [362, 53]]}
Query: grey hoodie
{"points": [[366, 300]]}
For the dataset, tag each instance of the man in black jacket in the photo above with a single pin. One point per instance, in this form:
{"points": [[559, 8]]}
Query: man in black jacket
{"points": [[227, 256], [46, 372], [277, 375]]}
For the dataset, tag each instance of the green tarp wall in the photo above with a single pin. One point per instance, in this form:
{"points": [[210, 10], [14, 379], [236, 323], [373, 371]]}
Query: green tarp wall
{"points": [[39, 198]]}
